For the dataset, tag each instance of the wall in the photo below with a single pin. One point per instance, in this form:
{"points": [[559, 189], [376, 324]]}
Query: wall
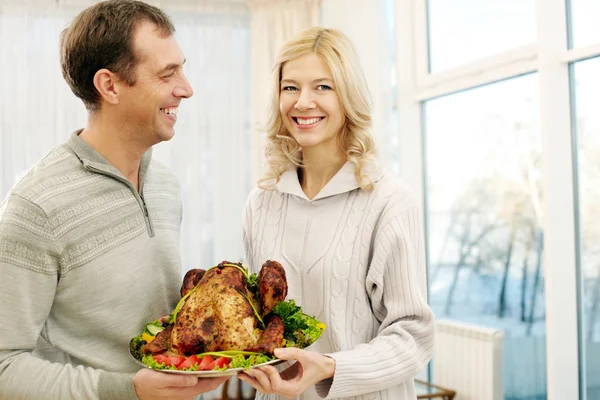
{"points": [[365, 23]]}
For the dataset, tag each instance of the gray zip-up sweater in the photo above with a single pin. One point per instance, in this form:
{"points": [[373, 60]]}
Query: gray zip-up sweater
{"points": [[85, 262]]}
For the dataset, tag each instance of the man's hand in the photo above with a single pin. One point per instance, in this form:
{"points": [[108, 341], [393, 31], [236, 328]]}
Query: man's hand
{"points": [[309, 369], [154, 385]]}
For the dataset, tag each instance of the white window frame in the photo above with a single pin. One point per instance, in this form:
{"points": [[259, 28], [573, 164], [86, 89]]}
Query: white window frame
{"points": [[550, 58]]}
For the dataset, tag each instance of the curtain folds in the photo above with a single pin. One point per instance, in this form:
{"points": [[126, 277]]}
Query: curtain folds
{"points": [[210, 150], [272, 23]]}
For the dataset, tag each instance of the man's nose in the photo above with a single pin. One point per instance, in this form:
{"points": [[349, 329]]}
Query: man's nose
{"points": [[183, 88]]}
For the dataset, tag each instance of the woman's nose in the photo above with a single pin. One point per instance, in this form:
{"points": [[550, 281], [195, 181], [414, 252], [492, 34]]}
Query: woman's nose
{"points": [[305, 101]]}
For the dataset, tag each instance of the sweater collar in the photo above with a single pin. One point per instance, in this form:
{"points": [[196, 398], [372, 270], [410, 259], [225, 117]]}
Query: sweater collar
{"points": [[90, 157], [343, 181]]}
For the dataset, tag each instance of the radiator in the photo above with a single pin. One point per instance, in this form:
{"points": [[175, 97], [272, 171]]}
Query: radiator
{"points": [[468, 359]]}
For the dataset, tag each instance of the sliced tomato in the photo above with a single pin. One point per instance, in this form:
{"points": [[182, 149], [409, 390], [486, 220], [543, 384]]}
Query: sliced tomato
{"points": [[190, 361], [159, 358], [219, 362], [168, 360], [205, 363]]}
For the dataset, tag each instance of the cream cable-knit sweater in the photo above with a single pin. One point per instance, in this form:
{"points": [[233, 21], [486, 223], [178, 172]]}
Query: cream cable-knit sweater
{"points": [[355, 260]]}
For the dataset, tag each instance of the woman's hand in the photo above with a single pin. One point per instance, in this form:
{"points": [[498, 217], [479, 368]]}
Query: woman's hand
{"points": [[310, 368]]}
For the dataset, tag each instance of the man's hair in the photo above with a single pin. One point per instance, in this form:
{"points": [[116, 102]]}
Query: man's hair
{"points": [[101, 36]]}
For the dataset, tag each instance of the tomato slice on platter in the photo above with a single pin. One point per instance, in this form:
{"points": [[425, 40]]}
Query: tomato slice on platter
{"points": [[189, 362], [205, 363], [168, 360], [219, 362]]}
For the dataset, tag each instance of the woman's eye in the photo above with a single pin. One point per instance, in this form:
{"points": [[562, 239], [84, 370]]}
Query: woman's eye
{"points": [[323, 87], [289, 88]]}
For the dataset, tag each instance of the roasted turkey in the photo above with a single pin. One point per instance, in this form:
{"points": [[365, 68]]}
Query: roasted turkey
{"points": [[224, 311]]}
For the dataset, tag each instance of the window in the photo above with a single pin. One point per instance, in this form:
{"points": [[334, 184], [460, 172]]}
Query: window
{"points": [[390, 148], [584, 18], [461, 31], [493, 91], [587, 98], [483, 152]]}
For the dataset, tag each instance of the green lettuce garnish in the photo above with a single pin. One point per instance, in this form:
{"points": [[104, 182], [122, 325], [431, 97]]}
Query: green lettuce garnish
{"points": [[300, 330], [253, 283], [151, 362], [249, 361]]}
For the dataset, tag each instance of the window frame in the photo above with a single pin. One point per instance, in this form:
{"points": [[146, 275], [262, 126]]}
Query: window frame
{"points": [[552, 59]]}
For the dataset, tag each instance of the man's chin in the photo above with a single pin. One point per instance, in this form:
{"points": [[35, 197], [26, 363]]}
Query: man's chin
{"points": [[165, 136]]}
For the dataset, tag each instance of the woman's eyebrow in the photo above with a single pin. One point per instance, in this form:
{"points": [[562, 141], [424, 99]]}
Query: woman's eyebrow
{"points": [[315, 81]]}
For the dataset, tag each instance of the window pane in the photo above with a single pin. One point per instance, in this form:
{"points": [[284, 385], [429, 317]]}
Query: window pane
{"points": [[389, 151], [584, 22], [588, 124], [461, 31], [483, 151]]}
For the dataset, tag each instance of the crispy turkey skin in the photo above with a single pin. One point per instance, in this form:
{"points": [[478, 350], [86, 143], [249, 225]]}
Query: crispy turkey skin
{"points": [[218, 314]]}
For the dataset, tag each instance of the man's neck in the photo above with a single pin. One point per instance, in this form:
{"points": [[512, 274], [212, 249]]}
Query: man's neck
{"points": [[116, 146], [318, 170]]}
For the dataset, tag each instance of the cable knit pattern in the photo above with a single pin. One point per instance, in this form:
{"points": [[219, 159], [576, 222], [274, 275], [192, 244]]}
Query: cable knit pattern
{"points": [[356, 260]]}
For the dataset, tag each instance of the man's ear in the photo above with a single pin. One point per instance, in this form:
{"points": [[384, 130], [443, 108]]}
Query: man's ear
{"points": [[105, 82]]}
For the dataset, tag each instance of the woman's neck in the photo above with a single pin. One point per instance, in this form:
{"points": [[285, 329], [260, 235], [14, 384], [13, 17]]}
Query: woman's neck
{"points": [[318, 169]]}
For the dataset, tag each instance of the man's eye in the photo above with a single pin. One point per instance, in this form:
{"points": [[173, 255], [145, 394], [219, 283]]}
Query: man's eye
{"points": [[168, 75], [289, 88], [323, 87]]}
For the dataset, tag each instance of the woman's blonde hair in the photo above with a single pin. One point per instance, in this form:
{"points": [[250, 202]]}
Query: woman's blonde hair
{"points": [[334, 48]]}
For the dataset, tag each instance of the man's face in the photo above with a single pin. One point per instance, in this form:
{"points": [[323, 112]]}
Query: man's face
{"points": [[149, 107]]}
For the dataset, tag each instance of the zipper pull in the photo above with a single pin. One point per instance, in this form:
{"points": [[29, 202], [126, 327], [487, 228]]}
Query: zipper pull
{"points": [[144, 204]]}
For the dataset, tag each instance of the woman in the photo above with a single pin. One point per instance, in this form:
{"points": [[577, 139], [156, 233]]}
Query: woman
{"points": [[347, 233]]}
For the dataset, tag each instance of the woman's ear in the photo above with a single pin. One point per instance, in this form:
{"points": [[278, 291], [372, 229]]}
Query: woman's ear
{"points": [[105, 82]]}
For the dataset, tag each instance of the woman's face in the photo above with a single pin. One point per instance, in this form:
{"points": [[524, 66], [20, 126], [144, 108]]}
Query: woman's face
{"points": [[309, 103]]}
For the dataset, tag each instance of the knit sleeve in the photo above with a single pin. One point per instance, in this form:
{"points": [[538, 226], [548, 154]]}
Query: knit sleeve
{"points": [[396, 283], [29, 272]]}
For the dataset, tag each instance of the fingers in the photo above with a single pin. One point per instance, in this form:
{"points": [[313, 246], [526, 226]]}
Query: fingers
{"points": [[207, 384], [262, 379], [158, 380], [251, 381], [290, 353], [268, 380], [271, 373], [204, 385], [154, 385], [182, 380]]}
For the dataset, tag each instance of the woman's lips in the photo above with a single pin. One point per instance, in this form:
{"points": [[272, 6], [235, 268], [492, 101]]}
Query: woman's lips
{"points": [[307, 122]]}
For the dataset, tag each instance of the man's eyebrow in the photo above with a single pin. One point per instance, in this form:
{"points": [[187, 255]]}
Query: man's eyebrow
{"points": [[170, 66]]}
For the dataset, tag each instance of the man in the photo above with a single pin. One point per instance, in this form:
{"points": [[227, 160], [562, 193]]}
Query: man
{"points": [[89, 238]]}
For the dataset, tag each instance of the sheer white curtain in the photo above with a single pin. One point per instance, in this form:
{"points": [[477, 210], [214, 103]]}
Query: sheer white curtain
{"points": [[273, 22], [210, 151]]}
